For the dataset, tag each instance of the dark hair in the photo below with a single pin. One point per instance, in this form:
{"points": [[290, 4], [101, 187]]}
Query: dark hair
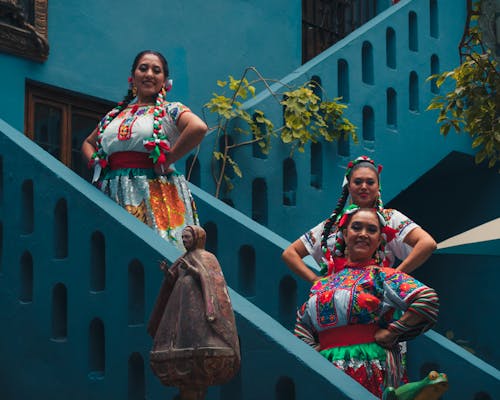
{"points": [[130, 95], [157, 54], [363, 164], [359, 209]]}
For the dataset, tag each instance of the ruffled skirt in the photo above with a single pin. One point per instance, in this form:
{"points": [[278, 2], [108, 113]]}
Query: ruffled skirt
{"points": [[367, 364], [164, 203]]}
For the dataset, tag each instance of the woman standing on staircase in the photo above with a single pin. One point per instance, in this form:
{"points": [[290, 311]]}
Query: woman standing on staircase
{"points": [[135, 145], [353, 317], [407, 241]]}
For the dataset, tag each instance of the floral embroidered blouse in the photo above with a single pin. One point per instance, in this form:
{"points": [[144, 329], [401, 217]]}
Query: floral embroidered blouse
{"points": [[363, 295], [134, 124]]}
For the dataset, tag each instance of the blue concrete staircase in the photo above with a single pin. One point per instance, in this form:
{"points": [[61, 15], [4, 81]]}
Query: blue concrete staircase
{"points": [[75, 304], [79, 275]]}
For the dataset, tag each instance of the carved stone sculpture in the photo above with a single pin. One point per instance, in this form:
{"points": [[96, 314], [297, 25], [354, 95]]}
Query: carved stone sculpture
{"points": [[195, 342]]}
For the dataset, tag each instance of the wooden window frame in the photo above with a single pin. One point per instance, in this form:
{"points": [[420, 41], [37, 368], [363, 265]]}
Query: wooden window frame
{"points": [[21, 37], [68, 102]]}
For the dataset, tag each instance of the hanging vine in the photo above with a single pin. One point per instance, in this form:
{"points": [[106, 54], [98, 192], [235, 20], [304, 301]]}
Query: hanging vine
{"points": [[472, 104], [306, 118]]}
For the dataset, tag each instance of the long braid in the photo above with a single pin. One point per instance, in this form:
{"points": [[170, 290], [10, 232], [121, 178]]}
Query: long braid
{"points": [[158, 143], [128, 97], [100, 156], [329, 224]]}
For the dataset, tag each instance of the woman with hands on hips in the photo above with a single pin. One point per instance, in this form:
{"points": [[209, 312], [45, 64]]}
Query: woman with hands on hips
{"points": [[135, 145], [353, 317], [407, 241]]}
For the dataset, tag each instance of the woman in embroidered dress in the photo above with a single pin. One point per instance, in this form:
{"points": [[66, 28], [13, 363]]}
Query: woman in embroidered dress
{"points": [[135, 145], [353, 317], [407, 242]]}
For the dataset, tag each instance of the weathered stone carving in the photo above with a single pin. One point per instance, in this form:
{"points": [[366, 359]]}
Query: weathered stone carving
{"points": [[195, 342]]}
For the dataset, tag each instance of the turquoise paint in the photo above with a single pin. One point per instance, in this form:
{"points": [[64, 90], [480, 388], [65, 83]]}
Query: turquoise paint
{"points": [[59, 368], [415, 130], [92, 45], [66, 366], [488, 247], [91, 53], [456, 277]]}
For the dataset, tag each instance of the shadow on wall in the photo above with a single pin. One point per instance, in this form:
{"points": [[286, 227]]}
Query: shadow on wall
{"points": [[454, 196], [466, 303]]}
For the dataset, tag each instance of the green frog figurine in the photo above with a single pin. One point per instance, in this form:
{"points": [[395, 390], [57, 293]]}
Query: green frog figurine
{"points": [[431, 387]]}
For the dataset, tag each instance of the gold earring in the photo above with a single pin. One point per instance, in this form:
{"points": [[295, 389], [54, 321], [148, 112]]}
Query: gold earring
{"points": [[134, 90]]}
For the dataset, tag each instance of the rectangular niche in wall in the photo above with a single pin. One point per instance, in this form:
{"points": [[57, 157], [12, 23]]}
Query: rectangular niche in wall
{"points": [[23, 28]]}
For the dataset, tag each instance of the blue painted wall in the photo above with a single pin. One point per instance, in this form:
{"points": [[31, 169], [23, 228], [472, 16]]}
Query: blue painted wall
{"points": [[407, 148], [93, 43], [77, 304], [455, 196]]}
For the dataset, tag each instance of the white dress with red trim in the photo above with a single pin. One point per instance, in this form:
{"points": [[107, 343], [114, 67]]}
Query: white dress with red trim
{"points": [[163, 202]]}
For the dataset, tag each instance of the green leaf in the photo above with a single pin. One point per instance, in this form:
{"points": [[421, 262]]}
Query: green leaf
{"points": [[434, 106], [445, 129], [478, 141], [480, 157], [235, 167], [492, 161], [307, 119]]}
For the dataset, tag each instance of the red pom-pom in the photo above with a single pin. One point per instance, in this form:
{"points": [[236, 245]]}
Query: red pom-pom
{"points": [[343, 220], [164, 146], [162, 159], [150, 145]]}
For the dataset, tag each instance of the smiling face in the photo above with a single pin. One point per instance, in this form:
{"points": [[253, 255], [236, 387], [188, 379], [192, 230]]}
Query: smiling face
{"points": [[148, 77], [364, 187], [362, 235]]}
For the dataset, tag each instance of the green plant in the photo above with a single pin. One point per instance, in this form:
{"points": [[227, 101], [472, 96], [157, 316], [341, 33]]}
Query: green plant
{"points": [[306, 118], [472, 104]]}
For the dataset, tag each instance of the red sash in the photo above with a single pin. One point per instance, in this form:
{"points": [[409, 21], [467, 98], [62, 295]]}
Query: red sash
{"points": [[130, 159], [347, 335]]}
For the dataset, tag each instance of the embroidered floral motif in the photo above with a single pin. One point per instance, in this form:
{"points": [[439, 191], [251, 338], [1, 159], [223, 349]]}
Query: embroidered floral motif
{"points": [[325, 308], [175, 109], [404, 287], [368, 301], [130, 116]]}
